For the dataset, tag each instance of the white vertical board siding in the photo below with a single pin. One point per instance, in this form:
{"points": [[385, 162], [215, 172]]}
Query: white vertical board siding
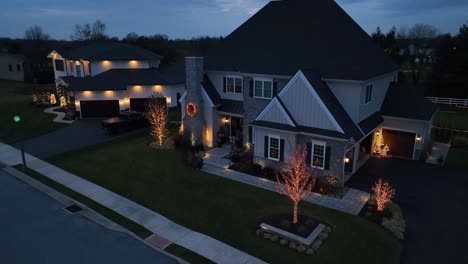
{"points": [[98, 67], [379, 91], [289, 142], [305, 108], [275, 115], [418, 127], [349, 95], [146, 91]]}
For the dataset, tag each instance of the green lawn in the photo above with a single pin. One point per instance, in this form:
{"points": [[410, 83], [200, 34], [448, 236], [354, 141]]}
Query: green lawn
{"points": [[224, 209], [457, 158], [453, 117], [15, 99], [34, 121]]}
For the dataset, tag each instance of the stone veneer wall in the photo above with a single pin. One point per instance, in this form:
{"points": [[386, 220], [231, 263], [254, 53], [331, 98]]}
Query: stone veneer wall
{"points": [[194, 75]]}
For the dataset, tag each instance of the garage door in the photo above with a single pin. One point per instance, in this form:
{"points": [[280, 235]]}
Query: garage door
{"points": [[99, 109], [138, 104], [401, 144]]}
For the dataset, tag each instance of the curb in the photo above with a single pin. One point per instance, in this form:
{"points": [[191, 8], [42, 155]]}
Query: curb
{"points": [[87, 212]]}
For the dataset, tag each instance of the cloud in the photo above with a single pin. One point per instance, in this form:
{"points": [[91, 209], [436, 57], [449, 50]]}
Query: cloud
{"points": [[247, 6], [405, 7], [62, 12]]}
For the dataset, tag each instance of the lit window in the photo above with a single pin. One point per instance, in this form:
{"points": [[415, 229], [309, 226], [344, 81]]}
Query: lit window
{"points": [[234, 85], [369, 93], [318, 154], [274, 148], [263, 88]]}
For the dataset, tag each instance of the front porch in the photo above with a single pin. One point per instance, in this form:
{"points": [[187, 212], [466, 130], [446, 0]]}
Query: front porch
{"points": [[357, 156], [230, 130]]}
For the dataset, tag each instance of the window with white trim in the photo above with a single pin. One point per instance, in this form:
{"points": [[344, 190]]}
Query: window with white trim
{"points": [[318, 154], [233, 84], [274, 148], [369, 89], [59, 66], [263, 88], [78, 70]]}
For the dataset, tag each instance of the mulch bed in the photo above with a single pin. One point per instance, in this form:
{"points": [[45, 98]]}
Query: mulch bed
{"points": [[305, 226], [369, 212]]}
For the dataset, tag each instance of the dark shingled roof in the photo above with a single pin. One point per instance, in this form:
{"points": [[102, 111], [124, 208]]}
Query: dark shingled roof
{"points": [[109, 51], [68, 79], [232, 107], [403, 102], [211, 91], [372, 122], [334, 106], [286, 36], [119, 79], [304, 129]]}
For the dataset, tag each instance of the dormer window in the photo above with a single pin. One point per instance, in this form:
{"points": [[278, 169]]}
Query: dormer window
{"points": [[263, 88], [59, 66], [78, 70], [233, 84], [369, 89]]}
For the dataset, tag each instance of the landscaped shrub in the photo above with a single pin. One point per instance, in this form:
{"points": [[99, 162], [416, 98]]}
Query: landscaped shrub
{"points": [[396, 223], [179, 141], [193, 160], [328, 185], [268, 173]]}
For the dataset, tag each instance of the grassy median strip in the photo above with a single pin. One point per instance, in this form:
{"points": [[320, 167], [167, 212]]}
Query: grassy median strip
{"points": [[104, 211], [137, 229]]}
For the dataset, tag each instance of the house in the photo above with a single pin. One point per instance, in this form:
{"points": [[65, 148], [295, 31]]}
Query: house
{"points": [[302, 72], [12, 67], [107, 78]]}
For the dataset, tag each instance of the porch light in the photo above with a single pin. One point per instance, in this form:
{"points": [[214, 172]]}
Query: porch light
{"points": [[168, 100], [418, 137], [226, 120], [378, 132], [133, 63], [346, 160]]}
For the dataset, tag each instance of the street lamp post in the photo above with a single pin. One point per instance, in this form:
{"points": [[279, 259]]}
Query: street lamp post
{"points": [[17, 120]]}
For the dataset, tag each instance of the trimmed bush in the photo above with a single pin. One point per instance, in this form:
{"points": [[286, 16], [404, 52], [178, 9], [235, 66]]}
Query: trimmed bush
{"points": [[396, 224]]}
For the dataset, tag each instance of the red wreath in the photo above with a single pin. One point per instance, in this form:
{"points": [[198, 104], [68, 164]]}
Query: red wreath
{"points": [[191, 109]]}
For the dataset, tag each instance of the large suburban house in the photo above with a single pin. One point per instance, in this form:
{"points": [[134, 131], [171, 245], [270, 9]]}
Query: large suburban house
{"points": [[107, 78], [12, 67], [303, 72]]}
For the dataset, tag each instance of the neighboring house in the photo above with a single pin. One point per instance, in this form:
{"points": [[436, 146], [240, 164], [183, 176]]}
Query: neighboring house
{"points": [[12, 67], [304, 73], [111, 77]]}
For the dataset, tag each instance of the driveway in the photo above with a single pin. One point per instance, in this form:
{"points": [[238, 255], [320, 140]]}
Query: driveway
{"points": [[81, 133], [434, 201], [35, 229]]}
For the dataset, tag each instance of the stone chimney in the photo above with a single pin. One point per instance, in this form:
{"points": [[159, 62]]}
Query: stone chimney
{"points": [[193, 119]]}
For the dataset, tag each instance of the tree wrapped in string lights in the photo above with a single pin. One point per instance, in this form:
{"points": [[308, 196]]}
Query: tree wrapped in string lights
{"points": [[383, 193], [157, 117], [297, 179]]}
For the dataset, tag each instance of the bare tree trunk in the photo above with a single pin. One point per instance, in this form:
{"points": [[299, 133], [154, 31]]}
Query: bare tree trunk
{"points": [[295, 213]]}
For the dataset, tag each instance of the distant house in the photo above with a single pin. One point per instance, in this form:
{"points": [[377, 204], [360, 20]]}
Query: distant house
{"points": [[304, 73], [107, 78], [12, 67]]}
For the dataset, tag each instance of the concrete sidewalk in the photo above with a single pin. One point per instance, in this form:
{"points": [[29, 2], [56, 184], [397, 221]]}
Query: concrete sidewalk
{"points": [[162, 227]]}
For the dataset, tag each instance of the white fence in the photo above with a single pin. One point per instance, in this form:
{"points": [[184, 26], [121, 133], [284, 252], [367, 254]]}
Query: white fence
{"points": [[449, 101]]}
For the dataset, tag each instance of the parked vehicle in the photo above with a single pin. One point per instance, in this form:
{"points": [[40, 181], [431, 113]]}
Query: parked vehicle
{"points": [[126, 121]]}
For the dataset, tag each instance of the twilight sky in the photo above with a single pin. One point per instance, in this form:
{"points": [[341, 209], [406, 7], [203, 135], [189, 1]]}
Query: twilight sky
{"points": [[193, 18]]}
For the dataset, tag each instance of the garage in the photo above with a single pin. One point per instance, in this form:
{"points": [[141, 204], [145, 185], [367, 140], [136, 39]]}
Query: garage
{"points": [[400, 143], [99, 109], [138, 104]]}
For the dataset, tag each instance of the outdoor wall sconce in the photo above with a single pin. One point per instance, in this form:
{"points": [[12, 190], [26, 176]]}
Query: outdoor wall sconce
{"points": [[346, 160], [418, 138], [377, 133], [226, 120]]}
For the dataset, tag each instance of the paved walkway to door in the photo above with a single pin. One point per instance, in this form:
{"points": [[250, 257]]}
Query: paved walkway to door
{"points": [[164, 228]]}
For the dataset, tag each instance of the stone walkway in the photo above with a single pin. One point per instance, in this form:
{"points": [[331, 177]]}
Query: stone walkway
{"points": [[351, 203], [59, 117], [162, 227], [438, 150]]}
